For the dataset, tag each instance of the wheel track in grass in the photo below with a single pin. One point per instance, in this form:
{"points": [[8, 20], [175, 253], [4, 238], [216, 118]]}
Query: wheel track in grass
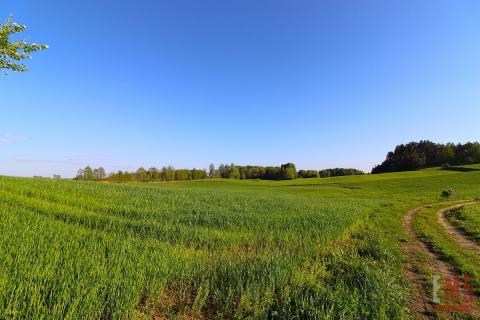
{"points": [[420, 301], [459, 236]]}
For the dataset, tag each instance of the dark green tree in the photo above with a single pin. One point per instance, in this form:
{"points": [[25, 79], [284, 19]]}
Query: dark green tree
{"points": [[234, 172], [288, 171], [88, 173], [80, 174], [182, 175], [170, 173], [141, 175], [153, 174], [99, 174], [307, 174]]}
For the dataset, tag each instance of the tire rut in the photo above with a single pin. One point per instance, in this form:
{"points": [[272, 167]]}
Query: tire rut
{"points": [[420, 300], [460, 237]]}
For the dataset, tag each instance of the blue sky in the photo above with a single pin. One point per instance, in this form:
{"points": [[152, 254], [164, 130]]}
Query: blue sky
{"points": [[318, 83]]}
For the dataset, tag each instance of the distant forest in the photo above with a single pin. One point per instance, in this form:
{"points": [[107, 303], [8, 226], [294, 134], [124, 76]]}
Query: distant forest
{"points": [[405, 157], [286, 171], [425, 154]]}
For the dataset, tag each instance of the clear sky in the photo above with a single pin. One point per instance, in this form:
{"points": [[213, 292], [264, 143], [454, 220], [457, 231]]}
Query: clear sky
{"points": [[188, 82]]}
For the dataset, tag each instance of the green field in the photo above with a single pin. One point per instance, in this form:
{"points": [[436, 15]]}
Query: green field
{"points": [[215, 249]]}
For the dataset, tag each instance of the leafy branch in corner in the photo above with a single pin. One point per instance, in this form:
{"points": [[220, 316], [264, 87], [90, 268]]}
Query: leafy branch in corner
{"points": [[13, 52]]}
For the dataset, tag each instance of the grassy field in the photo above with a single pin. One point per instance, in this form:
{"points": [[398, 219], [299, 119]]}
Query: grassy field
{"points": [[224, 249]]}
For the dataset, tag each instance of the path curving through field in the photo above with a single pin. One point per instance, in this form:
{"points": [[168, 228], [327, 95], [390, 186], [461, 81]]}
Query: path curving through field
{"points": [[421, 299], [461, 238]]}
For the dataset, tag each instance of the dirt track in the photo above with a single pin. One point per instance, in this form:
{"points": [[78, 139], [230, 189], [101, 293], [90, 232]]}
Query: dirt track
{"points": [[419, 255], [456, 234]]}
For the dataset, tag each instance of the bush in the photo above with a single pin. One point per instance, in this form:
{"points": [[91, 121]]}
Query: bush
{"points": [[447, 193]]}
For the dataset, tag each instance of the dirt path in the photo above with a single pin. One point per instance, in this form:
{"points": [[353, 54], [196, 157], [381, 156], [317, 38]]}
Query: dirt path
{"points": [[456, 234], [421, 299]]}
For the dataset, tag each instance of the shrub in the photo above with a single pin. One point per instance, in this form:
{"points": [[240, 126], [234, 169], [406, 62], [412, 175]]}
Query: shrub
{"points": [[447, 193]]}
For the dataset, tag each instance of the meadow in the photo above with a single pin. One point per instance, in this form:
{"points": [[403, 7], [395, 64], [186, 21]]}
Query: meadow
{"points": [[213, 249]]}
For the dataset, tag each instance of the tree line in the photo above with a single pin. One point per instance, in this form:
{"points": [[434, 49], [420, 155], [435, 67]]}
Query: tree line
{"points": [[338, 172], [286, 171], [142, 175], [425, 154], [90, 174], [327, 173]]}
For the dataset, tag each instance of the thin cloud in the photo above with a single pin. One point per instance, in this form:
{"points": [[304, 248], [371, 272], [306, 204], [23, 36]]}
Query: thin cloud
{"points": [[72, 161], [21, 159], [9, 138]]}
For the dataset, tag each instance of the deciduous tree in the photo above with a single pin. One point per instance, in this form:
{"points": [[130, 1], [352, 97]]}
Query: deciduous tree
{"points": [[13, 52]]}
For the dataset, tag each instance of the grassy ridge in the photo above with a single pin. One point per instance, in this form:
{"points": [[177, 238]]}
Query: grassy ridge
{"points": [[308, 248]]}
